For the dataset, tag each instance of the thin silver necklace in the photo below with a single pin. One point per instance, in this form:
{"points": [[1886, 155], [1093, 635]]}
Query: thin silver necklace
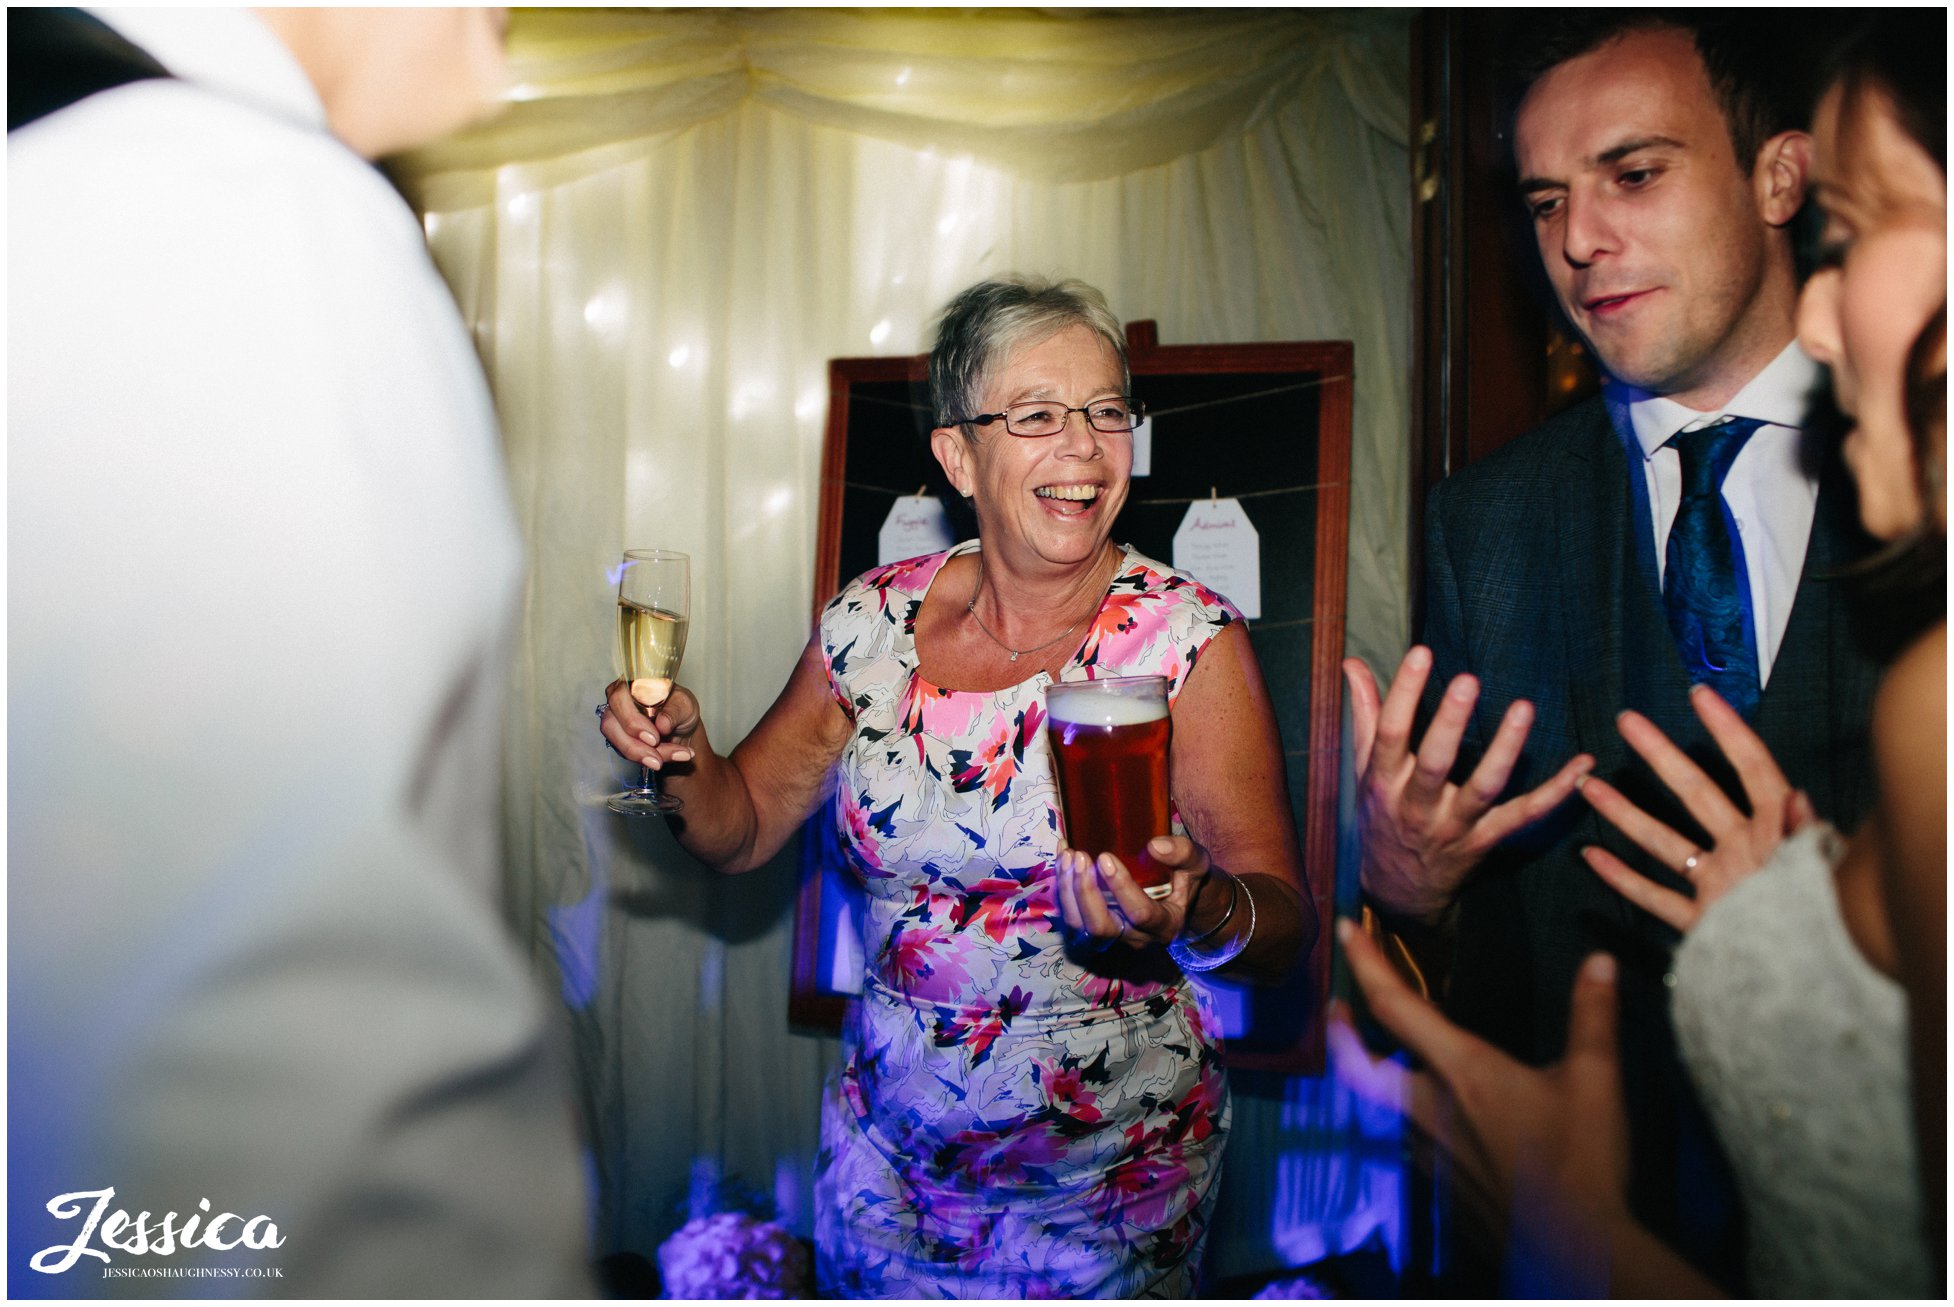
{"points": [[971, 608]]}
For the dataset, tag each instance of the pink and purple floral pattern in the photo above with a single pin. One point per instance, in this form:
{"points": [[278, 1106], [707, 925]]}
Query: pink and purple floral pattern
{"points": [[1014, 1119]]}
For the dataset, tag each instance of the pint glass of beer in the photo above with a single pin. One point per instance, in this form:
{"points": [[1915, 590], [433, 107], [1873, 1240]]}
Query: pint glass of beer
{"points": [[1109, 754]]}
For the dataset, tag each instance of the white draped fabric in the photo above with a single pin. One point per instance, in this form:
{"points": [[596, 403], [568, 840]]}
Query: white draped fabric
{"points": [[682, 218]]}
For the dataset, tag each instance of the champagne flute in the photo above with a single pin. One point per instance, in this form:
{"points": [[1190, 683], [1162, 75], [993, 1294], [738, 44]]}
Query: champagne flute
{"points": [[654, 604]]}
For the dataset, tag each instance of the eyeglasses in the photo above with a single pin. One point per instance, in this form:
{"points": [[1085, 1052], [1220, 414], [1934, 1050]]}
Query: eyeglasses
{"points": [[1037, 417]]}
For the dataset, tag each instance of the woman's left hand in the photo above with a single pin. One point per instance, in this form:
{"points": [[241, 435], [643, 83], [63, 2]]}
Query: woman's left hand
{"points": [[1101, 899], [1739, 845]]}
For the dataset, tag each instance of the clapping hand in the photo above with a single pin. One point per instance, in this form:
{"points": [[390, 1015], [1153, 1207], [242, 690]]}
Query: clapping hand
{"points": [[1422, 833], [1739, 844], [1539, 1155], [1085, 886]]}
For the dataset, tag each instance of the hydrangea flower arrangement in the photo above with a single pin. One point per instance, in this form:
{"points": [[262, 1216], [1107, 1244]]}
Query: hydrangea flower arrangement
{"points": [[733, 1255]]}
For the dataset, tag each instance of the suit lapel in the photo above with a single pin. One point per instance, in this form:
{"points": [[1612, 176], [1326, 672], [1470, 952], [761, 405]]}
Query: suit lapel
{"points": [[1591, 525], [1618, 641]]}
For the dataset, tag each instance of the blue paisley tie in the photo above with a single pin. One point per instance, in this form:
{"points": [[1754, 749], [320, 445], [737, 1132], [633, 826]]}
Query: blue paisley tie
{"points": [[1704, 585]]}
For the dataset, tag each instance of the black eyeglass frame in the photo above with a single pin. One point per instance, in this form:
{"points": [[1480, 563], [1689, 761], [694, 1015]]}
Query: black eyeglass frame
{"points": [[1136, 408]]}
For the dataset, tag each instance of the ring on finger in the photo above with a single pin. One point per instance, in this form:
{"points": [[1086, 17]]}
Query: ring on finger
{"points": [[602, 708], [1690, 863]]}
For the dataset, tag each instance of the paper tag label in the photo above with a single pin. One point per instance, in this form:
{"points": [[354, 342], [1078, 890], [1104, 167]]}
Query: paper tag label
{"points": [[916, 525], [1143, 448], [1219, 547]]}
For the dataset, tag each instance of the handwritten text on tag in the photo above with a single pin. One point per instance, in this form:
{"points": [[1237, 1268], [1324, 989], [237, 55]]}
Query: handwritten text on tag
{"points": [[916, 525], [1220, 548]]}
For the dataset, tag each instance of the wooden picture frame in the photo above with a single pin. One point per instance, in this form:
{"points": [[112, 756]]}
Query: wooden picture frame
{"points": [[1268, 423]]}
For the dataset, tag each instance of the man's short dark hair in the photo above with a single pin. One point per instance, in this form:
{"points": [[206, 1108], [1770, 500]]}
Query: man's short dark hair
{"points": [[1755, 78]]}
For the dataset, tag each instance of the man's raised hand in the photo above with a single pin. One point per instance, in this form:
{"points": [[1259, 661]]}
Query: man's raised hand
{"points": [[1423, 834]]}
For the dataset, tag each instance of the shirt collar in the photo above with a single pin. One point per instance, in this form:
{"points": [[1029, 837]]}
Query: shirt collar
{"points": [[1777, 396], [229, 52]]}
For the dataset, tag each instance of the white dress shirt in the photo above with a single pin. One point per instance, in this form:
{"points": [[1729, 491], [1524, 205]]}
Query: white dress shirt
{"points": [[262, 570], [1771, 490]]}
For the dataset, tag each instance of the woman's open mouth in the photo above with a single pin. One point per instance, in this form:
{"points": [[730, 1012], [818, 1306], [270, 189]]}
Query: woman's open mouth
{"points": [[1070, 500]]}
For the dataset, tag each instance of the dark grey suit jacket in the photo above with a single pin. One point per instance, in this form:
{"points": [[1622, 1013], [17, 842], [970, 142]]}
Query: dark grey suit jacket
{"points": [[1541, 581]]}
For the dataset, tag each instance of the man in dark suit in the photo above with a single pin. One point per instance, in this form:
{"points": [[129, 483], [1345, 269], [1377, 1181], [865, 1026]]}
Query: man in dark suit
{"points": [[1566, 574]]}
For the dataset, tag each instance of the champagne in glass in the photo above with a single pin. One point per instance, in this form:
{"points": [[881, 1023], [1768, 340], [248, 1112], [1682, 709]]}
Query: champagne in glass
{"points": [[653, 610], [650, 643]]}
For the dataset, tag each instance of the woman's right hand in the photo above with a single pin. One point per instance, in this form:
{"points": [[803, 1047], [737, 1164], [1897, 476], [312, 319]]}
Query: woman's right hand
{"points": [[1099, 899], [1740, 844], [650, 736]]}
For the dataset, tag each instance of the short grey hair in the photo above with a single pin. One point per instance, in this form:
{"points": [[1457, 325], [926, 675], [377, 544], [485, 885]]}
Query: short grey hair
{"points": [[980, 328]]}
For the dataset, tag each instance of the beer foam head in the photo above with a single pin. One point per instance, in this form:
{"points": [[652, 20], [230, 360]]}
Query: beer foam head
{"points": [[1118, 701]]}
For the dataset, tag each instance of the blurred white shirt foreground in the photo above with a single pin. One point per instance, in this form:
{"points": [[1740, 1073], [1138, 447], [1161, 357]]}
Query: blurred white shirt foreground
{"points": [[262, 567]]}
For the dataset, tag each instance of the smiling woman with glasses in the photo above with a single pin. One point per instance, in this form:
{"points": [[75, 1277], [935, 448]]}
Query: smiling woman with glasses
{"points": [[1031, 1104]]}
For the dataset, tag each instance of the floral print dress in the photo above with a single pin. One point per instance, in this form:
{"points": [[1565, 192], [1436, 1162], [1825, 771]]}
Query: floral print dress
{"points": [[1012, 1119]]}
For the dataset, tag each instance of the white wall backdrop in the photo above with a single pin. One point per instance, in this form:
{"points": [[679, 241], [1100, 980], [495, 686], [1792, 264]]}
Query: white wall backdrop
{"points": [[683, 218]]}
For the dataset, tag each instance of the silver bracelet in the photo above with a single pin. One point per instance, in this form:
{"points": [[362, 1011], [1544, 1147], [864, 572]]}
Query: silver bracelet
{"points": [[1193, 959], [1234, 897]]}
